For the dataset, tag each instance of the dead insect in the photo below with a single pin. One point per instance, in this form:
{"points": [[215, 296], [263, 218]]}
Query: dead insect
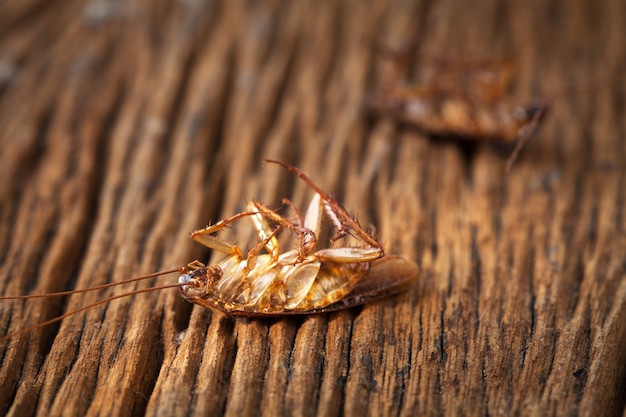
{"points": [[464, 100], [304, 280], [300, 281]]}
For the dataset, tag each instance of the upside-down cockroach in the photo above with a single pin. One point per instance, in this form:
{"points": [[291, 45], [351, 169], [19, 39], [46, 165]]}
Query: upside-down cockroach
{"points": [[270, 282], [463, 100]]}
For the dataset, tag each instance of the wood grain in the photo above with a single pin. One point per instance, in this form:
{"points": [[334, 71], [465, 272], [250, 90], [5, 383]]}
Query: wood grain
{"points": [[126, 125]]}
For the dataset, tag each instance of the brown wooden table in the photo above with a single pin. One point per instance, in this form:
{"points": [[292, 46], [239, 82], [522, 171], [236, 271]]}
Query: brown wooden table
{"points": [[126, 125]]}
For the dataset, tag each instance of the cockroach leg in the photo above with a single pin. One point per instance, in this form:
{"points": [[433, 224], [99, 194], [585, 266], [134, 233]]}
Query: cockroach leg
{"points": [[256, 249]]}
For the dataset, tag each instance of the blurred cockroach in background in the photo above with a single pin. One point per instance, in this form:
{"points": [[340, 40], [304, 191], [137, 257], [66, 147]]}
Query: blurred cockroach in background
{"points": [[465, 100]]}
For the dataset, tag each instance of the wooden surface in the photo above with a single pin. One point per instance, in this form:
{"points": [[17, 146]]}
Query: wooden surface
{"points": [[126, 125]]}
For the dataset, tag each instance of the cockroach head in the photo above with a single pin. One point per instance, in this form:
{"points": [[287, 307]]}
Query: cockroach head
{"points": [[199, 282], [533, 111]]}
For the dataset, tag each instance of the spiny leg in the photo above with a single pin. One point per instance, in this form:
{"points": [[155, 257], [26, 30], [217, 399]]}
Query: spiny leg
{"points": [[349, 225], [268, 235], [339, 214], [265, 232], [195, 265], [206, 238], [312, 225], [307, 240], [254, 251]]}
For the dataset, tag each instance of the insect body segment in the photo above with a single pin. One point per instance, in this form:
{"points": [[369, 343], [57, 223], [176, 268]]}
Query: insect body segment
{"points": [[299, 280], [271, 288]]}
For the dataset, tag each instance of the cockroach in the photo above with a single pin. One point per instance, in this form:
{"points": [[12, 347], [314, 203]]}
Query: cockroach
{"points": [[269, 282], [464, 100], [476, 111]]}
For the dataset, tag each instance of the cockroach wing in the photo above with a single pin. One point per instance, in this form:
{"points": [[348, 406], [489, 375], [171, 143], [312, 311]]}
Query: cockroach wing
{"points": [[386, 276]]}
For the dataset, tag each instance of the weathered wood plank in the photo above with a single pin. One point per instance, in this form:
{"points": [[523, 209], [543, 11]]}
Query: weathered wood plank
{"points": [[124, 126]]}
